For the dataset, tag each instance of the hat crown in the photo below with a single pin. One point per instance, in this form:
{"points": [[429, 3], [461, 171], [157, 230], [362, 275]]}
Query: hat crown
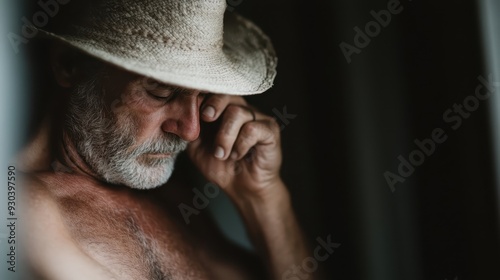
{"points": [[188, 43], [184, 24]]}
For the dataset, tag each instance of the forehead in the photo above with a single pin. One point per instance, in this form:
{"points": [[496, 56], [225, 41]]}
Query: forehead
{"points": [[113, 75]]}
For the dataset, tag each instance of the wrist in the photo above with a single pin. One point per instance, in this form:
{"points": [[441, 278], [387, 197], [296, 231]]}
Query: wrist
{"points": [[266, 215], [273, 195], [269, 218]]}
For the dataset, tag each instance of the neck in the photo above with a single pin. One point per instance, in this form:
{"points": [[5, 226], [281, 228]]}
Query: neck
{"points": [[69, 160]]}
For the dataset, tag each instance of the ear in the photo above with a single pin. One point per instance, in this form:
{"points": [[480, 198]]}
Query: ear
{"points": [[64, 65]]}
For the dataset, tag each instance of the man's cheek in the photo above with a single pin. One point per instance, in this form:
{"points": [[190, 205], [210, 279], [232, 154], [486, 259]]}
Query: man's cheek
{"points": [[130, 99]]}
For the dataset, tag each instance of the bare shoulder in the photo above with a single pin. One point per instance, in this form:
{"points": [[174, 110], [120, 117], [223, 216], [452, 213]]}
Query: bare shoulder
{"points": [[36, 201], [52, 253], [39, 194]]}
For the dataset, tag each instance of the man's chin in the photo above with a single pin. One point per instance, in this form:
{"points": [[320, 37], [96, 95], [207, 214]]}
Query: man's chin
{"points": [[145, 177]]}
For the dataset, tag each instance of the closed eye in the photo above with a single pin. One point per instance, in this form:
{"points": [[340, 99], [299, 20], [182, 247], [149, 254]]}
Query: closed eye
{"points": [[163, 95], [167, 93]]}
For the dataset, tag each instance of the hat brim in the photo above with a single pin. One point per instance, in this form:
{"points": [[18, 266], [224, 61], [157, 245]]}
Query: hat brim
{"points": [[245, 65]]}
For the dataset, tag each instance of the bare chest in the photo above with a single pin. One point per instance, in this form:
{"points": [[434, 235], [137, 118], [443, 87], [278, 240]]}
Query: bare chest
{"points": [[132, 236]]}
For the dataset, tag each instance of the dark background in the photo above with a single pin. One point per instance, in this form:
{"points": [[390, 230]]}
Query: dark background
{"points": [[352, 121]]}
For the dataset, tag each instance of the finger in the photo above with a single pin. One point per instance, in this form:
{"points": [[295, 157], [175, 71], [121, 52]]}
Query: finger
{"points": [[234, 117], [263, 132], [215, 105]]}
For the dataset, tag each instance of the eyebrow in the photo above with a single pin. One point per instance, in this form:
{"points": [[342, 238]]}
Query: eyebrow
{"points": [[176, 89]]}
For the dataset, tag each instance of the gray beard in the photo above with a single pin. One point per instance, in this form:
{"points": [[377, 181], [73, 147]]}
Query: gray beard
{"points": [[109, 146]]}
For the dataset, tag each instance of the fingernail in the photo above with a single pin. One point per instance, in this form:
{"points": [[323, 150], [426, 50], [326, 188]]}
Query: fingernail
{"points": [[209, 111], [219, 152], [234, 155]]}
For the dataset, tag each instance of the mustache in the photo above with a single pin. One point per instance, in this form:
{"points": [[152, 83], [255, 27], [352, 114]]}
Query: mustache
{"points": [[166, 144]]}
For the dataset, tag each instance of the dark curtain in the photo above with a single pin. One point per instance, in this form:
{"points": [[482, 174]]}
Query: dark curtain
{"points": [[353, 122]]}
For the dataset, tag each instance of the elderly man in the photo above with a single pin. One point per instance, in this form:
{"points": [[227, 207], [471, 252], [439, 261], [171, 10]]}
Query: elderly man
{"points": [[141, 82]]}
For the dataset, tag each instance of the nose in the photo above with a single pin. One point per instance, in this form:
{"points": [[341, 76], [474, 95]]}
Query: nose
{"points": [[183, 118]]}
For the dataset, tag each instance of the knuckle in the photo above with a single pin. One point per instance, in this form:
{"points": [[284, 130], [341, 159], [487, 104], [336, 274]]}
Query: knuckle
{"points": [[273, 123], [271, 135], [251, 128], [272, 130], [235, 111]]}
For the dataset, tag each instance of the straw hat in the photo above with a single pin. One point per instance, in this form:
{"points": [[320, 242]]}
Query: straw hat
{"points": [[189, 43]]}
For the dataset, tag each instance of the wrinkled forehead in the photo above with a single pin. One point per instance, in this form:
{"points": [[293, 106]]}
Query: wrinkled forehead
{"points": [[113, 77]]}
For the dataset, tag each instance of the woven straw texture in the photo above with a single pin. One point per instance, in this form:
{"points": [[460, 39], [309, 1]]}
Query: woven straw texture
{"points": [[190, 43]]}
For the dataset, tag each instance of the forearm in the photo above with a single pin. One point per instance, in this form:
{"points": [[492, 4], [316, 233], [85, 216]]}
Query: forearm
{"points": [[275, 231]]}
